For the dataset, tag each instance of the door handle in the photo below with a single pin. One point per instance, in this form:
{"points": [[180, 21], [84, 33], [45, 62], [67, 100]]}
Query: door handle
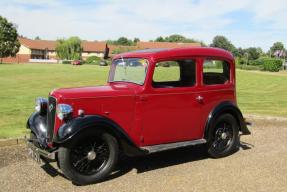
{"points": [[199, 99]]}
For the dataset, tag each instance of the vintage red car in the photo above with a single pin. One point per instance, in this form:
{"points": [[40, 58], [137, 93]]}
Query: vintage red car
{"points": [[144, 108]]}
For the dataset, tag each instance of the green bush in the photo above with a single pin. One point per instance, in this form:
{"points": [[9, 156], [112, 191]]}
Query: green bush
{"points": [[272, 65], [66, 62], [250, 67], [93, 60], [259, 62], [256, 62]]}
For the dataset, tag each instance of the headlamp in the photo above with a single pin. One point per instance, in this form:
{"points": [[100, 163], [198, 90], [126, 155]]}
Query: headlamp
{"points": [[41, 105], [64, 111]]}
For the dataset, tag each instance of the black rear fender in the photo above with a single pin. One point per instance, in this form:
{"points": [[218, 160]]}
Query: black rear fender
{"points": [[225, 107]]}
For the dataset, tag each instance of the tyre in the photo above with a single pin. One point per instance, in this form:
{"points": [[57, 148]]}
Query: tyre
{"points": [[224, 136], [89, 157]]}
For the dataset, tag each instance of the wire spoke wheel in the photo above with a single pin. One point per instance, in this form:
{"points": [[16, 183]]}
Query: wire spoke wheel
{"points": [[224, 136], [90, 155]]}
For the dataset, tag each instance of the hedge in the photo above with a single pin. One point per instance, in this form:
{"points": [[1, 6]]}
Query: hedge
{"points": [[93, 60], [272, 65]]}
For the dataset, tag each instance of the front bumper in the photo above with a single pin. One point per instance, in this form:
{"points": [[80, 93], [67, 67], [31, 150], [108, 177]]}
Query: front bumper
{"points": [[38, 153]]}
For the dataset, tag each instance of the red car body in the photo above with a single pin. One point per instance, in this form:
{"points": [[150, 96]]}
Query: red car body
{"points": [[152, 116], [146, 116]]}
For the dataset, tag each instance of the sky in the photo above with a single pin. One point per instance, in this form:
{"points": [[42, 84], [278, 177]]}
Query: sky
{"points": [[247, 23]]}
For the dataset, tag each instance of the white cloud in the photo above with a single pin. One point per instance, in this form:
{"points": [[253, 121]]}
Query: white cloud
{"points": [[148, 19]]}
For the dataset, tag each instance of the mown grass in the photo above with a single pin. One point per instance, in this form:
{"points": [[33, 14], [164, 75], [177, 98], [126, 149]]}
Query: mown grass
{"points": [[258, 92]]}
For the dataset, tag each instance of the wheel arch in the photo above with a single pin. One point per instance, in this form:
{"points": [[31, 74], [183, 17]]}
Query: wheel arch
{"points": [[222, 108], [70, 130]]}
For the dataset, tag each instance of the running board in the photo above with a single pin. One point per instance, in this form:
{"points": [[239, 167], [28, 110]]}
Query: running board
{"points": [[168, 146]]}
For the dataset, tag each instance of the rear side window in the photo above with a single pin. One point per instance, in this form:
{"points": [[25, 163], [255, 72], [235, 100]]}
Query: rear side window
{"points": [[216, 72]]}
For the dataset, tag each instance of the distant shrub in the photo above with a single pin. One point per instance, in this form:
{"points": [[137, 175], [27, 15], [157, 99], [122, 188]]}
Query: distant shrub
{"points": [[250, 67], [272, 65], [66, 62], [259, 62], [255, 62], [93, 60]]}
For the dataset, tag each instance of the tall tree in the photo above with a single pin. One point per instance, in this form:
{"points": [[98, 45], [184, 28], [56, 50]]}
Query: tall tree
{"points": [[136, 40], [9, 44], [69, 49], [277, 46], [159, 39], [223, 43], [253, 53]]}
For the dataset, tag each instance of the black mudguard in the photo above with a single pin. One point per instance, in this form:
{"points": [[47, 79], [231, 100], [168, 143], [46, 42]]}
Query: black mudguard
{"points": [[74, 127], [226, 107], [38, 125]]}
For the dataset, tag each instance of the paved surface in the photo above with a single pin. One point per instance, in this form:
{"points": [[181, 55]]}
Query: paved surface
{"points": [[260, 165]]}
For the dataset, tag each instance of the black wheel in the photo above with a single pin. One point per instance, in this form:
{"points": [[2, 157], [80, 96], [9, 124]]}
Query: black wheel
{"points": [[89, 157], [224, 136]]}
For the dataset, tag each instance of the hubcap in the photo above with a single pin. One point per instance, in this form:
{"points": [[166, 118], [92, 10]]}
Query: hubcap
{"points": [[92, 155], [223, 136]]}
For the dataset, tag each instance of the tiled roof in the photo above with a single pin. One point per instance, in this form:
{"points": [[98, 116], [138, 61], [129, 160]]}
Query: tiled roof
{"points": [[123, 47], [99, 46], [94, 46], [88, 46], [156, 45], [38, 44]]}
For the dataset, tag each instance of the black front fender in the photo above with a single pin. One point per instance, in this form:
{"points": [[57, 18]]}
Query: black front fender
{"points": [[74, 127], [38, 125]]}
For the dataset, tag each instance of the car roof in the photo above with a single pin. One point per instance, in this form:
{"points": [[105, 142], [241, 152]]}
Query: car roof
{"points": [[177, 52]]}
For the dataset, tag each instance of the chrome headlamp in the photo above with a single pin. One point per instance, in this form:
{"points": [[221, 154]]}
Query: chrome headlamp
{"points": [[41, 105], [64, 111]]}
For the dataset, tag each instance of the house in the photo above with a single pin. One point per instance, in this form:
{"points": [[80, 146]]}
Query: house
{"points": [[45, 51]]}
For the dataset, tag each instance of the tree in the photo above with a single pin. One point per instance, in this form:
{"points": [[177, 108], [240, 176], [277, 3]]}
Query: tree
{"points": [[175, 38], [69, 49], [253, 53], [37, 38], [9, 44], [122, 41], [277, 46], [136, 40], [223, 43], [159, 39]]}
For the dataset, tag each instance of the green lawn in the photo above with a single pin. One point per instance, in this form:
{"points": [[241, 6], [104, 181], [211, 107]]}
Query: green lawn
{"points": [[258, 92]]}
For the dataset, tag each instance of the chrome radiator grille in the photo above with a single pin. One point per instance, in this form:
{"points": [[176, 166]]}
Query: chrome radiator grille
{"points": [[51, 113]]}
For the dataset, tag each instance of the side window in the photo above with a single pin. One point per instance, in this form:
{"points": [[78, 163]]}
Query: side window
{"points": [[216, 72], [170, 74], [166, 71]]}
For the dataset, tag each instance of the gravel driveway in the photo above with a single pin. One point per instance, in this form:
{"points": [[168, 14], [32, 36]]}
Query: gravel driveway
{"points": [[260, 165]]}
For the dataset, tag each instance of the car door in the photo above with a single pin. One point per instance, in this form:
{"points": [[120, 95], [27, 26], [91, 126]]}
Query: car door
{"points": [[171, 112], [217, 84]]}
